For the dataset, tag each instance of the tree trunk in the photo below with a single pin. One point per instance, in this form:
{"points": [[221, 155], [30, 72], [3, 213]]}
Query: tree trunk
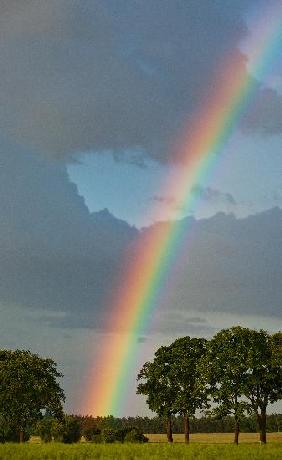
{"points": [[263, 426], [261, 419], [186, 428], [169, 429], [21, 436], [236, 432]]}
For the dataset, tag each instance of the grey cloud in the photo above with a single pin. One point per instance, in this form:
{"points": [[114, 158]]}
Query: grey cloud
{"points": [[56, 257], [264, 114], [213, 195], [230, 266], [209, 194], [113, 75], [63, 263], [168, 200], [179, 322]]}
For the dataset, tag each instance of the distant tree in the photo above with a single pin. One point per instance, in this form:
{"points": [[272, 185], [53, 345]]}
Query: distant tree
{"points": [[28, 385], [157, 383], [89, 428], [190, 390], [225, 368], [263, 384]]}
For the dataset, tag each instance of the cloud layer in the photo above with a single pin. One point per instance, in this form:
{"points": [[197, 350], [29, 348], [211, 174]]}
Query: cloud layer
{"points": [[63, 263], [114, 75]]}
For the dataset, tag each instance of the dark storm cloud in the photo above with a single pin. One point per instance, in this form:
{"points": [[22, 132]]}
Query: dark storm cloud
{"points": [[230, 266], [55, 256], [112, 75], [63, 263]]}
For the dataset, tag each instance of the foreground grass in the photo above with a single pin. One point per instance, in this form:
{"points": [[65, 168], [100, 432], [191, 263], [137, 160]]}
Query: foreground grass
{"points": [[156, 451]]}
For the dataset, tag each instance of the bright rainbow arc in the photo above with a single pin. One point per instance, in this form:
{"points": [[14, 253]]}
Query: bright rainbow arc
{"points": [[137, 294]]}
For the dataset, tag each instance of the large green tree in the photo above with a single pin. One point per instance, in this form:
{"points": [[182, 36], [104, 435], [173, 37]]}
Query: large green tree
{"points": [[243, 368], [190, 391], [263, 383], [28, 386], [157, 383], [224, 367]]}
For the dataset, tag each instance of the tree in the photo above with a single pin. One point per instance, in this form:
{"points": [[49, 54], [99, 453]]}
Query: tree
{"points": [[158, 385], [190, 391], [263, 384], [244, 372], [28, 386], [224, 367]]}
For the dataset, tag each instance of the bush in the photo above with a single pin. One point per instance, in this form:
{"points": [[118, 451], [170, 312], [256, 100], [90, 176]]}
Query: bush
{"points": [[9, 433], [90, 430], [68, 431], [97, 438], [44, 428], [108, 436], [128, 434], [135, 435]]}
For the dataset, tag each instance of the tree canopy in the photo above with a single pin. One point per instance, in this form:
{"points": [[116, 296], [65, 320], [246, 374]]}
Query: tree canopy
{"points": [[172, 382], [28, 386], [239, 370]]}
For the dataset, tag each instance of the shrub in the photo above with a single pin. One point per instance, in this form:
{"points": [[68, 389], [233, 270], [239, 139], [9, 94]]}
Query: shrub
{"points": [[90, 430], [44, 428], [68, 431], [108, 436], [9, 433], [97, 438], [134, 435]]}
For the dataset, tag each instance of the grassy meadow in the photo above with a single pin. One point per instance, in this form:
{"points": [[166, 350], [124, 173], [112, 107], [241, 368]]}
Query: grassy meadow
{"points": [[210, 446], [155, 451]]}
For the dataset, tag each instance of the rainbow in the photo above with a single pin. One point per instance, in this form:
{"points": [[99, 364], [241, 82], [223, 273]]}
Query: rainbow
{"points": [[136, 296]]}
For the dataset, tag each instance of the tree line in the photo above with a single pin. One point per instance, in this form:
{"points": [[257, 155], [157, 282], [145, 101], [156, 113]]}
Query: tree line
{"points": [[231, 378], [31, 403], [236, 373]]}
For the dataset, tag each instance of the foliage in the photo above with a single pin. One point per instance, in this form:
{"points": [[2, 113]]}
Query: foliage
{"points": [[28, 385], [173, 383], [109, 436], [157, 383], [44, 428], [203, 424], [263, 384], [67, 431], [190, 390], [240, 369], [129, 434], [135, 435], [186, 375], [89, 429], [8, 433], [224, 367]]}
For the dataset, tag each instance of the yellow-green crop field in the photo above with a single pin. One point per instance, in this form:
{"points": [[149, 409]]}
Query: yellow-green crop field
{"points": [[203, 447], [217, 438]]}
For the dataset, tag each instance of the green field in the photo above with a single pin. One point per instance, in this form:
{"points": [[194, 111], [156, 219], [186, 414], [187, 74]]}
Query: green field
{"points": [[212, 448]]}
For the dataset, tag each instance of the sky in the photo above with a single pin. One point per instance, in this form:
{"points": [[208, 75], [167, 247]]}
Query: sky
{"points": [[95, 96]]}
